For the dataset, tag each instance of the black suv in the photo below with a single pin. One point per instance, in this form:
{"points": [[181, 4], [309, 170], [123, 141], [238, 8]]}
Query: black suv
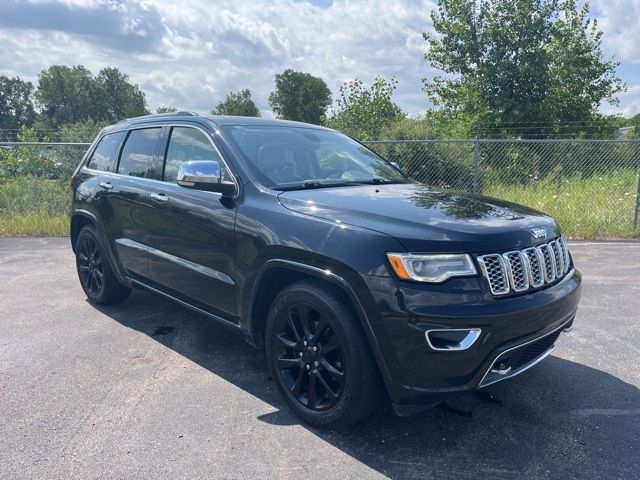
{"points": [[359, 282]]}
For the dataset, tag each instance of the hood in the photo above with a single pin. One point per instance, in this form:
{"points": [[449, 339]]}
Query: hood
{"points": [[425, 219]]}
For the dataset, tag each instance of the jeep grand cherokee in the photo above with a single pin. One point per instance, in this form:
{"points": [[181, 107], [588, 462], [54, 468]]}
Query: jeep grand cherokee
{"points": [[360, 283]]}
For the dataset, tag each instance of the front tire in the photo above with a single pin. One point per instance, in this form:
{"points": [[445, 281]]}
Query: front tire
{"points": [[94, 270], [319, 357]]}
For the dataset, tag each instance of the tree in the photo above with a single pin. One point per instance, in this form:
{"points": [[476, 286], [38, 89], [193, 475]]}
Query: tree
{"points": [[300, 96], [71, 95], [16, 104], [66, 95], [166, 110], [362, 111], [237, 103], [118, 98], [520, 66]]}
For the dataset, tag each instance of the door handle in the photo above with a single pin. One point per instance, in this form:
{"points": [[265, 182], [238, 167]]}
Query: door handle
{"points": [[159, 197], [105, 185]]}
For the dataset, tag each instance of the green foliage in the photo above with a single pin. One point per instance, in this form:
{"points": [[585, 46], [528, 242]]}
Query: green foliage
{"points": [[300, 96], [166, 109], [512, 64], [81, 131], [117, 97], [69, 95], [37, 160], [34, 194], [16, 103], [34, 206], [363, 112], [610, 197], [406, 128], [237, 103]]}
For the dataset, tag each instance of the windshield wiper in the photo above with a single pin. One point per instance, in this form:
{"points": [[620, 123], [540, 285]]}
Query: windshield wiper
{"points": [[315, 184], [378, 181]]}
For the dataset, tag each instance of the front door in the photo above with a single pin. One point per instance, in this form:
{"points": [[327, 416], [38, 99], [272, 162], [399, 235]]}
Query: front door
{"points": [[192, 232]]}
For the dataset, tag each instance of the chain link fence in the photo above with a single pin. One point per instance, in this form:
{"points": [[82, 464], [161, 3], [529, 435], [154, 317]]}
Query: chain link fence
{"points": [[591, 186]]}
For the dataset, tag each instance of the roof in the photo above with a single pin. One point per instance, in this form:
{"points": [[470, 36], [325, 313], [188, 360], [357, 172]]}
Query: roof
{"points": [[216, 119]]}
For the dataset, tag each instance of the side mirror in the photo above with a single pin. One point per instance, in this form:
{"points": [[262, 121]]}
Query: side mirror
{"points": [[397, 165], [204, 175]]}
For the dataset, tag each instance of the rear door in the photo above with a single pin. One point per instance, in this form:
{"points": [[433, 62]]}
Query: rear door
{"points": [[124, 203], [192, 232]]}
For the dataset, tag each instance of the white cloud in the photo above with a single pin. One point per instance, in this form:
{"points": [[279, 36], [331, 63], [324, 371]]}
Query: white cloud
{"points": [[191, 53]]}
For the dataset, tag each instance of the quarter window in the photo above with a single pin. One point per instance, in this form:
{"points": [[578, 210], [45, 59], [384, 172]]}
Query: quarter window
{"points": [[106, 153], [137, 157], [188, 144]]}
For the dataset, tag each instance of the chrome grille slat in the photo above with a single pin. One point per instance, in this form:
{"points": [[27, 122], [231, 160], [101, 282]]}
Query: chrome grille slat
{"points": [[536, 274], [522, 270], [517, 271], [494, 270]]}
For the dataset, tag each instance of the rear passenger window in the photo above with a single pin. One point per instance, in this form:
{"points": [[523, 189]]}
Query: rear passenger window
{"points": [[137, 157], [188, 144], [106, 153]]}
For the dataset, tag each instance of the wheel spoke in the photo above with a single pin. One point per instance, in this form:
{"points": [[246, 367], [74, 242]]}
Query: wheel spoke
{"points": [[84, 268], [320, 328], [331, 345], [303, 315], [312, 394], [287, 363], [336, 375], [297, 387], [328, 390], [292, 325], [285, 342], [96, 281]]}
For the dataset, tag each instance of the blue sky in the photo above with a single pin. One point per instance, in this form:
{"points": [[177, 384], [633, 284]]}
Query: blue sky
{"points": [[191, 53]]}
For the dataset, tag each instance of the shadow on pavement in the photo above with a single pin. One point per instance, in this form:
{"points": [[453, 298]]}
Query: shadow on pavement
{"points": [[561, 419]]}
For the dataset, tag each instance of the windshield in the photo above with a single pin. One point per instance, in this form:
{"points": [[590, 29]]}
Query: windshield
{"points": [[288, 158]]}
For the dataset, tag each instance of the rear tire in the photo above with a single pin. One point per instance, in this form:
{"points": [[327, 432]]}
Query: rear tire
{"points": [[94, 270], [319, 357]]}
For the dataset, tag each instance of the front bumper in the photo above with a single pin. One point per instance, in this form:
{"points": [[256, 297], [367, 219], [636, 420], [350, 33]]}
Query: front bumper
{"points": [[419, 376]]}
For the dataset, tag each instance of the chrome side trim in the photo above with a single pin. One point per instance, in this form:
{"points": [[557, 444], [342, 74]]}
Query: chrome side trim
{"points": [[222, 320], [471, 337], [208, 271], [524, 367]]}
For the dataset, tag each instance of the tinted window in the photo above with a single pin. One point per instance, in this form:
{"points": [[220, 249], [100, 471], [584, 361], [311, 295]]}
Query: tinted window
{"points": [[105, 155], [188, 144], [293, 157], [137, 154]]}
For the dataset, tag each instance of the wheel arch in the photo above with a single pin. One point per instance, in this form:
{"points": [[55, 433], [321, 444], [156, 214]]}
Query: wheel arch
{"points": [[82, 218], [79, 219], [276, 274]]}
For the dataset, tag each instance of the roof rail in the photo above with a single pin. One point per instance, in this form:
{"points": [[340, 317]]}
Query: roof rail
{"points": [[160, 115]]}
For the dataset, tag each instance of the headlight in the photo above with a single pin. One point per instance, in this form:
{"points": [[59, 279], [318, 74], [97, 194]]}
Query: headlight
{"points": [[431, 268]]}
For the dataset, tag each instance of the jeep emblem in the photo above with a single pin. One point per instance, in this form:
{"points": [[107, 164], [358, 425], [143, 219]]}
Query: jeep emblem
{"points": [[539, 233]]}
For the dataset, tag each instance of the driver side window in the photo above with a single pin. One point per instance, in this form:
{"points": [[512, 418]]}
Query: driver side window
{"points": [[186, 144]]}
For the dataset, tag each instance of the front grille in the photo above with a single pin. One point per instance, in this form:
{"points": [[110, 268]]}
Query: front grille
{"points": [[522, 270]]}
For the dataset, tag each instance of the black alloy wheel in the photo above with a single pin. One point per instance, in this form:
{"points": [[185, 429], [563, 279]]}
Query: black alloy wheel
{"points": [[97, 278], [90, 265], [310, 357], [319, 357]]}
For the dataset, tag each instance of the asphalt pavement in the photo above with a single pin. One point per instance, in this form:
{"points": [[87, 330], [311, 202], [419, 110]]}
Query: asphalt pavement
{"points": [[148, 389]]}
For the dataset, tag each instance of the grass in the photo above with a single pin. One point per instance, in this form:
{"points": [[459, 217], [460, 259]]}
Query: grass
{"points": [[599, 207], [34, 206]]}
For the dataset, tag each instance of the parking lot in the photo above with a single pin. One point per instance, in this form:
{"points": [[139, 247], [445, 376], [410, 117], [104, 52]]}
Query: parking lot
{"points": [[148, 389]]}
